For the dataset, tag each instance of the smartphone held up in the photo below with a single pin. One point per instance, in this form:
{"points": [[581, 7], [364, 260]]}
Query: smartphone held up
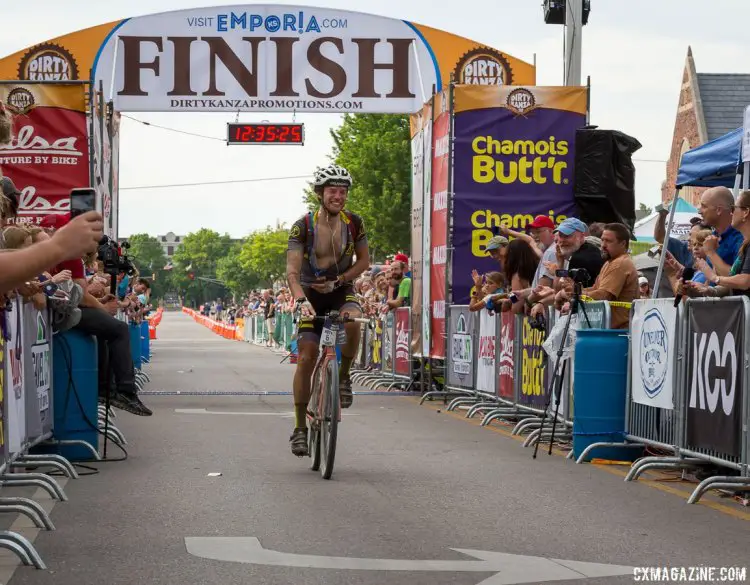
{"points": [[82, 200]]}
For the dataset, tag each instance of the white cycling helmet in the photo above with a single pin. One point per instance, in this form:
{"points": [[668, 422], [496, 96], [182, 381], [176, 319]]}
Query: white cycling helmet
{"points": [[332, 175]]}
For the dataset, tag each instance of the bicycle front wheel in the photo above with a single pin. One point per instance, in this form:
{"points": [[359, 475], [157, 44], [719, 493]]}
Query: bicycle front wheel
{"points": [[330, 418]]}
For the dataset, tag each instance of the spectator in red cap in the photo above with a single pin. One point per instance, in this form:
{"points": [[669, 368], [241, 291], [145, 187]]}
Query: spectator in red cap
{"points": [[540, 234]]}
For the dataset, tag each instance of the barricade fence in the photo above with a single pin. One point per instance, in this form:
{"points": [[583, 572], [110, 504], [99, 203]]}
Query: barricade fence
{"points": [[49, 408], [686, 376]]}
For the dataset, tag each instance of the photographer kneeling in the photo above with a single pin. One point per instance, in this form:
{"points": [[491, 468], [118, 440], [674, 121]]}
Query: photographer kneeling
{"points": [[112, 335]]}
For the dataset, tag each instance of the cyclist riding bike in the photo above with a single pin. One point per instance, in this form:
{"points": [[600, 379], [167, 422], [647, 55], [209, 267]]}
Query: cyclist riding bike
{"points": [[320, 270]]}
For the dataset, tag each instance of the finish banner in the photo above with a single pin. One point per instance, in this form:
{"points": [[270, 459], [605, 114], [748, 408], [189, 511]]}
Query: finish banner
{"points": [[715, 374], [514, 159], [267, 57], [48, 155]]}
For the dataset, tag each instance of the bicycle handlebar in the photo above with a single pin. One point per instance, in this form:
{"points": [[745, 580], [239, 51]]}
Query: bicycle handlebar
{"points": [[337, 317]]}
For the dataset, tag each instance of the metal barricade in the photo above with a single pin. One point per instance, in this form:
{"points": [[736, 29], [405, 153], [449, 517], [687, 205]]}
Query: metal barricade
{"points": [[462, 330], [27, 420], [655, 379]]}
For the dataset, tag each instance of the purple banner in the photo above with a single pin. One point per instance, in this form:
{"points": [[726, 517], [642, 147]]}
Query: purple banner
{"points": [[514, 159]]}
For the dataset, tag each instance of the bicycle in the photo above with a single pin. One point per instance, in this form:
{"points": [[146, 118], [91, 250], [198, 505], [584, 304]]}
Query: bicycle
{"points": [[324, 408]]}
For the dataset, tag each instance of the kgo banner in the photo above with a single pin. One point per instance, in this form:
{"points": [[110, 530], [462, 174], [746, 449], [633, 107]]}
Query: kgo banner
{"points": [[653, 331], [715, 376], [48, 155], [514, 159]]}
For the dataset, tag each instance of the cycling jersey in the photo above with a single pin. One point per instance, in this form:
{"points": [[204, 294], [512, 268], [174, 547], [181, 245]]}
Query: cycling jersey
{"points": [[302, 237]]}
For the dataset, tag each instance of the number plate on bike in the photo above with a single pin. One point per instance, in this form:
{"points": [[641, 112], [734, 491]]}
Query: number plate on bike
{"points": [[328, 337]]}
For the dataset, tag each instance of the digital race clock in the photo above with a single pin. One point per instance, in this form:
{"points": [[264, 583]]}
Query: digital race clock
{"points": [[265, 133]]}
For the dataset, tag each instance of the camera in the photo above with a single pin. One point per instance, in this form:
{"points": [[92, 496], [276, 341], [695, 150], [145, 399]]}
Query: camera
{"points": [[579, 275], [654, 251], [111, 255]]}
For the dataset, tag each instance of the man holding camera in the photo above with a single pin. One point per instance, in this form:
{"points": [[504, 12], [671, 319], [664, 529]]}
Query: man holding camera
{"points": [[112, 336], [618, 279]]}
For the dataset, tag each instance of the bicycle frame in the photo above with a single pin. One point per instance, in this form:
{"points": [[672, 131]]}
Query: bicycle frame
{"points": [[327, 353]]}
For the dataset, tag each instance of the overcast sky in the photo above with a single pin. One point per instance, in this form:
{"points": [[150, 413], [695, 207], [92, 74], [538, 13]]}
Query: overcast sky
{"points": [[634, 51]]}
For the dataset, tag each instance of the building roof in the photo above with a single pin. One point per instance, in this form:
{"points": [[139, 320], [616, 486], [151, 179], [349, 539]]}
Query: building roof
{"points": [[724, 97]]}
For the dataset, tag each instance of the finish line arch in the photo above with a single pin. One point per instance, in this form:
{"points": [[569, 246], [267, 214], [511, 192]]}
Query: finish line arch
{"points": [[274, 58]]}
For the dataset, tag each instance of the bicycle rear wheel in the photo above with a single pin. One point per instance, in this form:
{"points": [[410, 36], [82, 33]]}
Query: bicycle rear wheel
{"points": [[330, 419]]}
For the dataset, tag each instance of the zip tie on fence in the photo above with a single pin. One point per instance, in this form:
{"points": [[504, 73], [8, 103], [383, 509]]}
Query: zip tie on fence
{"points": [[597, 433], [586, 299]]}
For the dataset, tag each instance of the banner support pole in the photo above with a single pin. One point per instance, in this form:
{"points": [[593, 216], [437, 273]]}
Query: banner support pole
{"points": [[663, 255], [449, 214]]}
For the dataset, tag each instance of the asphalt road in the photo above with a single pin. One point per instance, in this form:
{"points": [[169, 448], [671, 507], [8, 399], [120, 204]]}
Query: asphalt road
{"points": [[410, 484]]}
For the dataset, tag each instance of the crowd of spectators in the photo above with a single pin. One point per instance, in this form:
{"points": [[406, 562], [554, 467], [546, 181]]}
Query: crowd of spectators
{"points": [[380, 289], [54, 265]]}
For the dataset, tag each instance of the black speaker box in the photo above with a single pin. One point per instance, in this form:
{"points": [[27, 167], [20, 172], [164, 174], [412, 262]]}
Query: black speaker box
{"points": [[604, 184]]}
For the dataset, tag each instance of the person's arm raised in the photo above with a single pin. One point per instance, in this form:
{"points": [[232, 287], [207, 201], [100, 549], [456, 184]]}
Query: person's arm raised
{"points": [[77, 238]]}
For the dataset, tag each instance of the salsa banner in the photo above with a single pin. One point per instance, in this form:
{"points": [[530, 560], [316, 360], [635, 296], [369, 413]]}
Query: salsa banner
{"points": [[462, 328], [514, 159], [441, 150], [402, 361], [507, 359], [715, 376], [49, 154], [277, 58]]}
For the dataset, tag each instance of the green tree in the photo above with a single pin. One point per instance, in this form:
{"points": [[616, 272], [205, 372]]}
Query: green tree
{"points": [[199, 255], [376, 149], [645, 209], [237, 277], [148, 256], [264, 254]]}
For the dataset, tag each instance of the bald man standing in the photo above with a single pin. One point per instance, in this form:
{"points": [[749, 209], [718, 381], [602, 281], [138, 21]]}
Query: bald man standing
{"points": [[722, 248]]}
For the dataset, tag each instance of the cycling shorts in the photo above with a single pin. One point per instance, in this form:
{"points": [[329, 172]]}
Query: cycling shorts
{"points": [[340, 299]]}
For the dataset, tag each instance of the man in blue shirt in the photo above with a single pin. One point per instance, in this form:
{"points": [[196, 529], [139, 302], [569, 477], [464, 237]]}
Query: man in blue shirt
{"points": [[722, 248]]}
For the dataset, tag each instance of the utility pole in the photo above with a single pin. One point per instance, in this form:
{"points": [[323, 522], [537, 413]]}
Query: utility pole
{"points": [[574, 15], [573, 41]]}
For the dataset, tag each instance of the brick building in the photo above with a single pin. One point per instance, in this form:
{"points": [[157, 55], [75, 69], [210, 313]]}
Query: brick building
{"points": [[710, 105]]}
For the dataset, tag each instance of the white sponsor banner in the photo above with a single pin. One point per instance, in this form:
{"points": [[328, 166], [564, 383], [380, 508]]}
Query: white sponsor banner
{"points": [[268, 58], [653, 337], [14, 388], [486, 378], [426, 216]]}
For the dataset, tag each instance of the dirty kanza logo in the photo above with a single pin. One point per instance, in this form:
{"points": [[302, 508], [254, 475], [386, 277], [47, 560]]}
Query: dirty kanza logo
{"points": [[483, 66], [48, 62]]}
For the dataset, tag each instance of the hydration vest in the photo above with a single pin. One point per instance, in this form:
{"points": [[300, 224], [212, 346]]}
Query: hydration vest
{"points": [[310, 219]]}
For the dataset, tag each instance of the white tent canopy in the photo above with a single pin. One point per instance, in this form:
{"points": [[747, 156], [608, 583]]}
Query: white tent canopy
{"points": [[644, 229]]}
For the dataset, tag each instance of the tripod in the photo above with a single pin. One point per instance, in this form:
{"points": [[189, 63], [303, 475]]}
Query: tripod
{"points": [[558, 377], [113, 292]]}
